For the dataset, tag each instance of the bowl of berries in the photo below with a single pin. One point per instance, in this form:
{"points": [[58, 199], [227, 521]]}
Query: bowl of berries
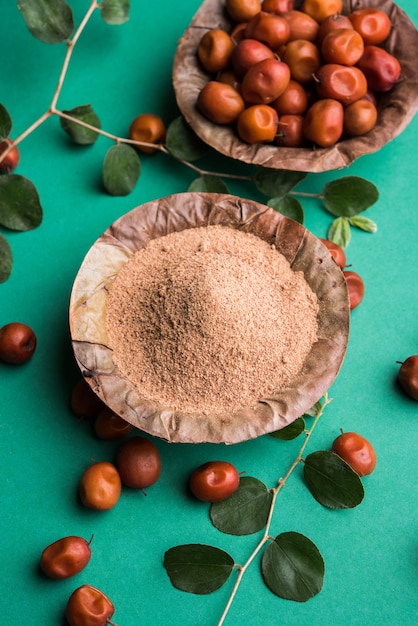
{"points": [[299, 85]]}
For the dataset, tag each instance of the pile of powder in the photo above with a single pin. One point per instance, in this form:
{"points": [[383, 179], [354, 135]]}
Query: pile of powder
{"points": [[209, 320]]}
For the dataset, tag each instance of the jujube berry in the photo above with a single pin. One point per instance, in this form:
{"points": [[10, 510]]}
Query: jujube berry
{"points": [[220, 102], [148, 128], [278, 6], [408, 376], [12, 158], [257, 124], [215, 49], [65, 557], [88, 606], [139, 462], [355, 286], [302, 25], [83, 401], [323, 124], [109, 426], [303, 59], [373, 24], [100, 486], [247, 53], [360, 117], [342, 45], [214, 481], [381, 69], [371, 96], [230, 78], [242, 10], [265, 81], [290, 131], [321, 9], [355, 450], [337, 252], [17, 343], [340, 82], [293, 101], [272, 30], [332, 22], [238, 32]]}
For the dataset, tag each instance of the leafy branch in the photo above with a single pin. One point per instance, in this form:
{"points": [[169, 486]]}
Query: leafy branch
{"points": [[275, 492], [20, 209], [291, 565], [52, 22]]}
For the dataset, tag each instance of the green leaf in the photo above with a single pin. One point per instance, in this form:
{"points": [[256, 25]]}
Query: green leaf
{"points": [[20, 208], [315, 410], [115, 12], [277, 183], [291, 431], [5, 123], [198, 568], [210, 183], [183, 143], [244, 512], [339, 232], [349, 196], [331, 480], [51, 21], [6, 259], [364, 223], [292, 567], [290, 207], [81, 134], [121, 170]]}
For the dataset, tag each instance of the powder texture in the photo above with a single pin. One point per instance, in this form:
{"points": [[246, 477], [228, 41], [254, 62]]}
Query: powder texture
{"points": [[209, 320]]}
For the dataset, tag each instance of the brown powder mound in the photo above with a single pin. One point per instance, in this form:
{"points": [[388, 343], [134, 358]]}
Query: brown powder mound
{"points": [[209, 320]]}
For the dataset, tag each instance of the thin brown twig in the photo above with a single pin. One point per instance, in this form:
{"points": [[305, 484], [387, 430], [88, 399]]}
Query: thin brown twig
{"points": [[70, 48]]}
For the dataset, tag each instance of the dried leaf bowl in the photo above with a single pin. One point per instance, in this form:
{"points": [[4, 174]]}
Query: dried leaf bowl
{"points": [[182, 211], [395, 110]]}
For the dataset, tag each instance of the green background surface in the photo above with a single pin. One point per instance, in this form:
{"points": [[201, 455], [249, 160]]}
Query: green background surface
{"points": [[371, 552]]}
